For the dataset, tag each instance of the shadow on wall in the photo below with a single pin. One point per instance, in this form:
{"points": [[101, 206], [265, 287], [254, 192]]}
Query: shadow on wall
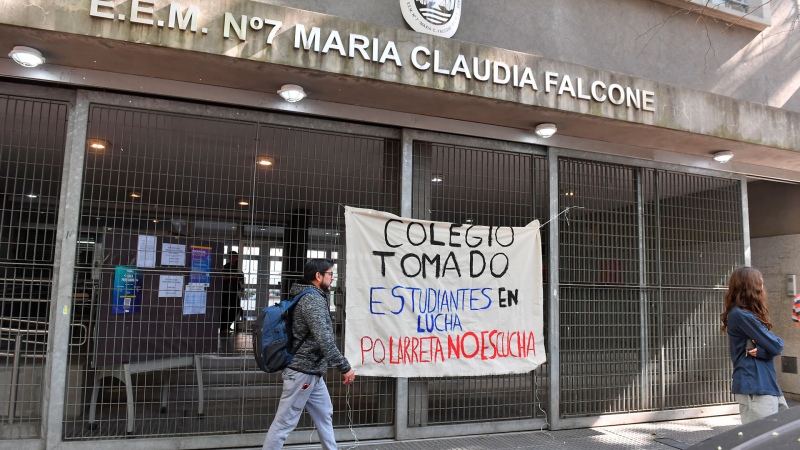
{"points": [[773, 210]]}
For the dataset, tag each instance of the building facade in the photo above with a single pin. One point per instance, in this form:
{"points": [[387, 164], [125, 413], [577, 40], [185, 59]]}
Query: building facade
{"points": [[152, 142]]}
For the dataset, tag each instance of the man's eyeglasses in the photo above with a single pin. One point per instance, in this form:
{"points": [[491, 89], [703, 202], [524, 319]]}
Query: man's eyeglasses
{"points": [[328, 273]]}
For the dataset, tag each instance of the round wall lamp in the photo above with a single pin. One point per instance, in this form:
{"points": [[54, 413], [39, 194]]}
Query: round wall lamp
{"points": [[292, 93], [545, 130], [265, 161], [723, 156], [26, 56], [98, 144]]}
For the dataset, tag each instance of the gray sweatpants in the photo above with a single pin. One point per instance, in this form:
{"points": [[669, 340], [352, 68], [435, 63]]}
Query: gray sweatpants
{"points": [[753, 407], [300, 391]]}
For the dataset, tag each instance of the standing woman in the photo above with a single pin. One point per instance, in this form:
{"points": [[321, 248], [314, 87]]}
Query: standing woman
{"points": [[746, 320]]}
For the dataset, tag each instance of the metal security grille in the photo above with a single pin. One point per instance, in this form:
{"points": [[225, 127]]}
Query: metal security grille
{"points": [[166, 198], [32, 136], [469, 185], [698, 224], [644, 258]]}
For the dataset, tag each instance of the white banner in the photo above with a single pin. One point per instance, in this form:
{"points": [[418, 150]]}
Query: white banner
{"points": [[433, 299]]}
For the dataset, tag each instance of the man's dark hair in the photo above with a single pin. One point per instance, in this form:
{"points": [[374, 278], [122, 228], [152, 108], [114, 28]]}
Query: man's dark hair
{"points": [[314, 266]]}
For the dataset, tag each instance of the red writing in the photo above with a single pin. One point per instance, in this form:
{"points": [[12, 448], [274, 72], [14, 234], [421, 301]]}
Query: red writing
{"points": [[484, 345]]}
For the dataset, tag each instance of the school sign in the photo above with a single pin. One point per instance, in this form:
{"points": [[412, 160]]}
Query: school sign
{"points": [[432, 299]]}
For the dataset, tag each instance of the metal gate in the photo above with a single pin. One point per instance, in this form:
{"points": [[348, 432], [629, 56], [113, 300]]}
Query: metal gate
{"points": [[639, 264], [32, 135], [643, 265], [459, 184], [158, 187]]}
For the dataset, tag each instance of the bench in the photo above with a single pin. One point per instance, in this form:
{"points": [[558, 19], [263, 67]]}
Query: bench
{"points": [[123, 373]]}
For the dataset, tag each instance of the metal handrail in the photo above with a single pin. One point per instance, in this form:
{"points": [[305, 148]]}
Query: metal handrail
{"points": [[27, 300], [19, 332], [12, 392], [17, 354], [23, 280], [24, 331]]}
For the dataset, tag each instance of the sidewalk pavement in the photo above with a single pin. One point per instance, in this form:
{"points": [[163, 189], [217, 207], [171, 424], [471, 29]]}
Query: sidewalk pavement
{"points": [[656, 436]]}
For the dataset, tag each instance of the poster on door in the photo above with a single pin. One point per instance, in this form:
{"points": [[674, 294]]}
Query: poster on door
{"points": [[433, 299], [127, 296], [201, 265]]}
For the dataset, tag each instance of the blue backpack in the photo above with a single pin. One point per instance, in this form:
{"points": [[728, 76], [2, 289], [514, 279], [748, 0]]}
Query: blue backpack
{"points": [[273, 344]]}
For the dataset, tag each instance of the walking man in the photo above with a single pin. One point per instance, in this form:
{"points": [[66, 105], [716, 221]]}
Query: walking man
{"points": [[303, 385]]}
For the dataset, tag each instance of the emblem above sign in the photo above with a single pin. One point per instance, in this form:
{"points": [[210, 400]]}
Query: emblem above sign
{"points": [[436, 17]]}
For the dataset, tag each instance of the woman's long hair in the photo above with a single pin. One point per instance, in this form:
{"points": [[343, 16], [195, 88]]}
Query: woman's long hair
{"points": [[746, 290]]}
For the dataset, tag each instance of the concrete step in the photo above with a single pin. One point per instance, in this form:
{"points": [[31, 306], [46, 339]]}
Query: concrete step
{"points": [[189, 393], [235, 361], [237, 378]]}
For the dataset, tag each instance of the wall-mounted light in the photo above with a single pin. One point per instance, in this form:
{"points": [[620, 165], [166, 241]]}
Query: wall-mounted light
{"points": [[98, 144], [545, 130], [242, 202], [292, 93], [437, 178], [26, 56], [31, 195], [723, 156], [135, 194], [265, 161]]}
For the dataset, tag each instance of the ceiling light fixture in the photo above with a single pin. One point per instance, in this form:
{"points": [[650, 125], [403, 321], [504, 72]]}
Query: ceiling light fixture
{"points": [[437, 178], [292, 93], [243, 202], [135, 194], [98, 144], [26, 56], [265, 161], [723, 156], [32, 196], [545, 130]]}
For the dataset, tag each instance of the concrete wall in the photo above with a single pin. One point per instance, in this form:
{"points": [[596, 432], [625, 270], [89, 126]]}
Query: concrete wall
{"points": [[76, 37], [642, 38], [773, 208], [777, 257]]}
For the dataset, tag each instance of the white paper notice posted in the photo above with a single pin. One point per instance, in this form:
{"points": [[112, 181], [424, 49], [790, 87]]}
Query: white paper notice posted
{"points": [[170, 286], [173, 254], [194, 300], [146, 251]]}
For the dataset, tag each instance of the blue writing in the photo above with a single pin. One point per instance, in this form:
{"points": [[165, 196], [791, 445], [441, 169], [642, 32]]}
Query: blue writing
{"points": [[438, 322], [401, 298], [373, 302]]}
